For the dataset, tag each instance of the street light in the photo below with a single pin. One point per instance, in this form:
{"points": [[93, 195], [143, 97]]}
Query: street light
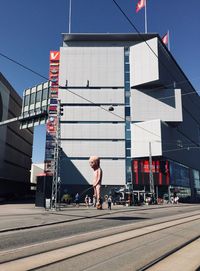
{"points": [[151, 180]]}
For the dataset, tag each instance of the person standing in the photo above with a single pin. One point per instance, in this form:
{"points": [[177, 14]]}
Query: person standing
{"points": [[77, 199], [87, 201], [109, 202]]}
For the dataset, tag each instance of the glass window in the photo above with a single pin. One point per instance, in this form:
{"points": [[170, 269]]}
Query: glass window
{"points": [[127, 111], [127, 100], [127, 86], [128, 125], [128, 153], [128, 144], [39, 96], [128, 134], [26, 102], [32, 98], [196, 178], [127, 67], [127, 77], [179, 174], [45, 94]]}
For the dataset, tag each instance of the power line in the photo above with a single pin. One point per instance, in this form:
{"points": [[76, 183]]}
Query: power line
{"points": [[23, 66], [163, 64], [80, 96]]}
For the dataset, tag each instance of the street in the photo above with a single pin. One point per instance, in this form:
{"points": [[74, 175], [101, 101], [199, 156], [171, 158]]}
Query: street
{"points": [[47, 232]]}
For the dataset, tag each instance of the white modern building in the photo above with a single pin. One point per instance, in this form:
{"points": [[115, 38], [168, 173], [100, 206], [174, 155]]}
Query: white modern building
{"points": [[125, 98]]}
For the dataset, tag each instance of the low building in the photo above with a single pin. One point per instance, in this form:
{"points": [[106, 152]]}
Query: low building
{"points": [[36, 170]]}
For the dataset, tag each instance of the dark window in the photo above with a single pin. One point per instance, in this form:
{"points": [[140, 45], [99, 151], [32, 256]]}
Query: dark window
{"points": [[127, 111], [32, 98], [26, 102], [45, 94], [39, 96]]}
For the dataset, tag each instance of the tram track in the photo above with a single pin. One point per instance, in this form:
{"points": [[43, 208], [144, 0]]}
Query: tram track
{"points": [[83, 246], [152, 265], [77, 217]]}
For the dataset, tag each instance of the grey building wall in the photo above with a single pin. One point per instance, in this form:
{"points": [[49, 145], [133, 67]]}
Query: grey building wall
{"points": [[95, 80], [16, 145], [92, 67], [165, 94]]}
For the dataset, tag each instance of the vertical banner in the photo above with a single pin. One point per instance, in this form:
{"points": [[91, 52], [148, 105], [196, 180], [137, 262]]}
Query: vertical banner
{"points": [[51, 126]]}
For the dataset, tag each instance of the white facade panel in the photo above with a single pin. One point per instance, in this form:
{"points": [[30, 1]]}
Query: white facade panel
{"points": [[92, 113], [88, 96], [164, 104], [92, 131], [113, 172], [141, 134], [144, 66], [83, 148], [102, 66]]}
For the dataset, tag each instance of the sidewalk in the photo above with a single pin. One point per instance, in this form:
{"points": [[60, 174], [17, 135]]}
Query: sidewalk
{"points": [[22, 216]]}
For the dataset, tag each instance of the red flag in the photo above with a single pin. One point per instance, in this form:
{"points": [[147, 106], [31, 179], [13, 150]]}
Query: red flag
{"points": [[165, 39], [141, 4]]}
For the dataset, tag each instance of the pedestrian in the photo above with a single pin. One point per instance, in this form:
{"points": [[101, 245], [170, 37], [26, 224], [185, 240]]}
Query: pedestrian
{"points": [[109, 202], [86, 200], [77, 199], [94, 201], [176, 200], [90, 201], [99, 204]]}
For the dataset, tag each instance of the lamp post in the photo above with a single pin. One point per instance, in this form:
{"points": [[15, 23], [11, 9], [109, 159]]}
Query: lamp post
{"points": [[151, 180]]}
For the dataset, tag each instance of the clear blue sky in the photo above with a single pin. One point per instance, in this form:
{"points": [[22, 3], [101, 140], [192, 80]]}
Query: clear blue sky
{"points": [[29, 29]]}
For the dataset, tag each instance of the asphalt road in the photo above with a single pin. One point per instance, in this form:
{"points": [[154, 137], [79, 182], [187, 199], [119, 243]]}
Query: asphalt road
{"points": [[84, 220], [83, 225], [129, 255]]}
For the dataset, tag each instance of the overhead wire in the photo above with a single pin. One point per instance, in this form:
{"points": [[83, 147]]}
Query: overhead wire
{"points": [[162, 63], [76, 94], [80, 96], [23, 66]]}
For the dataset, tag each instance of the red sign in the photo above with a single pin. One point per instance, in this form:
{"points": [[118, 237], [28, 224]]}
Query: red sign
{"points": [[54, 56]]}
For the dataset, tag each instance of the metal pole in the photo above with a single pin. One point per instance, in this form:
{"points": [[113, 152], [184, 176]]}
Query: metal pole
{"points": [[145, 16], [56, 174], [151, 180], [70, 15]]}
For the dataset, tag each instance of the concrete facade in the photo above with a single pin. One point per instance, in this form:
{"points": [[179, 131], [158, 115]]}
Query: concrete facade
{"points": [[15, 145], [151, 97]]}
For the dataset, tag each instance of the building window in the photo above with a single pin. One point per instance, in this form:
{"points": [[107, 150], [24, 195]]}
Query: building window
{"points": [[32, 98], [127, 111], [45, 94], [26, 100], [127, 114], [38, 96]]}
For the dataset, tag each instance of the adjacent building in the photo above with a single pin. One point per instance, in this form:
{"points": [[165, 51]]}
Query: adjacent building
{"points": [[125, 99], [15, 145]]}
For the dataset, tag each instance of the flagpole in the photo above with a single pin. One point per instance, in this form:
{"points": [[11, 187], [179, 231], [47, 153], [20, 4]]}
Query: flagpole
{"points": [[168, 41], [146, 16], [70, 15]]}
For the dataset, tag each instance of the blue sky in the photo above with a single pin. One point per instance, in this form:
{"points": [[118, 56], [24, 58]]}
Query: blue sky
{"points": [[29, 29]]}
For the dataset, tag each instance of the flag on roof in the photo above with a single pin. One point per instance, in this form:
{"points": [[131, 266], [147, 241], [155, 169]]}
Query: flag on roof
{"points": [[141, 4], [165, 38]]}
